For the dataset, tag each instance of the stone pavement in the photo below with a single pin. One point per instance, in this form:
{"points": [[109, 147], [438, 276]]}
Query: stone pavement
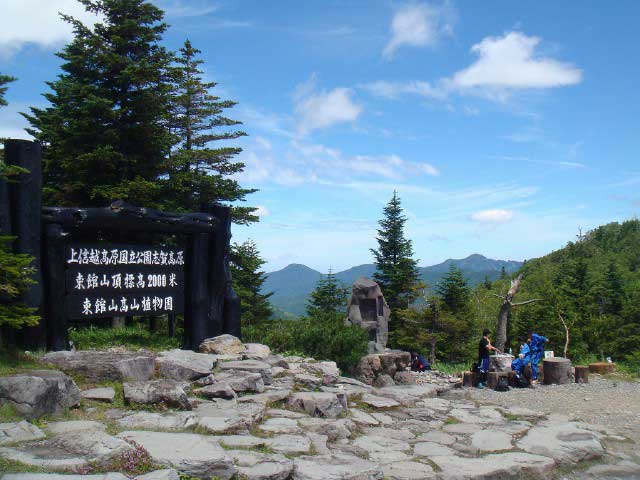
{"points": [[292, 418]]}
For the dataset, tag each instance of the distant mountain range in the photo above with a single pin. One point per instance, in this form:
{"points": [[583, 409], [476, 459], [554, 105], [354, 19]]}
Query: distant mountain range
{"points": [[292, 285]]}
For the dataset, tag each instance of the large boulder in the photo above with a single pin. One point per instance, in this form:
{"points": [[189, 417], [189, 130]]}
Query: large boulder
{"points": [[222, 345], [319, 404], [185, 365], [98, 367], [388, 363], [39, 392], [242, 381], [252, 366], [167, 392], [256, 351], [327, 371]]}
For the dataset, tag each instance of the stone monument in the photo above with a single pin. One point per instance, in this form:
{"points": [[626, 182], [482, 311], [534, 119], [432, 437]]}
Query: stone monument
{"points": [[368, 309]]}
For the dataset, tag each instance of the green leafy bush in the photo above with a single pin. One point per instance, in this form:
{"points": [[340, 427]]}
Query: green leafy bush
{"points": [[134, 337], [323, 337]]}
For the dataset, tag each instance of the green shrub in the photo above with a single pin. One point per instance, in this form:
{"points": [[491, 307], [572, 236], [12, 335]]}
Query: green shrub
{"points": [[134, 337], [324, 337]]}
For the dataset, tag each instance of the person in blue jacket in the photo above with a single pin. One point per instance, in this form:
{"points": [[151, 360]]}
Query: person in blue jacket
{"points": [[523, 358], [537, 343]]}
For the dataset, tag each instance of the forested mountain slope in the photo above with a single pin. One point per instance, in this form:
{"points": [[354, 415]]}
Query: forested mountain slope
{"points": [[594, 283]]}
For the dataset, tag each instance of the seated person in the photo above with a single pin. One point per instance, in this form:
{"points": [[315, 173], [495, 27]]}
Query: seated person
{"points": [[523, 359]]}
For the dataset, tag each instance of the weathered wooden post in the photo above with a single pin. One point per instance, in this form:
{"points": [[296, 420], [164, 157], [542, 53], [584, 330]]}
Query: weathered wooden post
{"points": [[196, 315], [55, 312], [582, 374], [24, 194]]}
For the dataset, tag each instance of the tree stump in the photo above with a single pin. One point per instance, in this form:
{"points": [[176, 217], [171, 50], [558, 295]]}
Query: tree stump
{"points": [[602, 367], [557, 370], [469, 379], [582, 374], [493, 378]]}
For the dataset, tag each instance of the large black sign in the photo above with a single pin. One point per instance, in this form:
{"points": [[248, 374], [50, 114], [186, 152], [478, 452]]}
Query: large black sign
{"points": [[106, 280]]}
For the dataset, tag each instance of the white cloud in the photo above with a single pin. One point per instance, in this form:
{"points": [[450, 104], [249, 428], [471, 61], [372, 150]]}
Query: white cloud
{"points": [[262, 211], [393, 90], [181, 8], [509, 62], [12, 124], [37, 22], [318, 110], [494, 215], [418, 25]]}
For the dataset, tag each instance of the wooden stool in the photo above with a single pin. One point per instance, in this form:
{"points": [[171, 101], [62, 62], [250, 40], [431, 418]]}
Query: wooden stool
{"points": [[493, 378], [557, 370], [602, 367], [582, 374]]}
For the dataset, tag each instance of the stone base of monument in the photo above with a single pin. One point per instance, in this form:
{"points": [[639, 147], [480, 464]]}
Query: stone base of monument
{"points": [[602, 367], [557, 370], [582, 374], [500, 362]]}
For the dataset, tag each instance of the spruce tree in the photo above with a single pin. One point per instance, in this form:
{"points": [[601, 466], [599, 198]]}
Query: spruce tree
{"points": [[454, 291], [198, 173], [248, 280], [105, 132], [4, 80], [396, 270], [328, 298]]}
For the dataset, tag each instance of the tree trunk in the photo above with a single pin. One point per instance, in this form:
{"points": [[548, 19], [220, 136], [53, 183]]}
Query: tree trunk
{"points": [[566, 342], [503, 315], [582, 374], [557, 370]]}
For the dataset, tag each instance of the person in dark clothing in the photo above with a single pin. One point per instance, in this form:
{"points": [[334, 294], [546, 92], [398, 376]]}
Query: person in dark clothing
{"points": [[419, 363], [484, 348]]}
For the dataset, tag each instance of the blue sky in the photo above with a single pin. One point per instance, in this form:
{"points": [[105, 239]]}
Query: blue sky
{"points": [[504, 126]]}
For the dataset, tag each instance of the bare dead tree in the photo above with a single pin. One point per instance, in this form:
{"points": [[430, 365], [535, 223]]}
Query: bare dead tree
{"points": [[566, 329], [505, 309]]}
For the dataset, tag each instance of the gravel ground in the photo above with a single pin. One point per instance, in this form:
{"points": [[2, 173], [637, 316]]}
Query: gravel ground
{"points": [[611, 403]]}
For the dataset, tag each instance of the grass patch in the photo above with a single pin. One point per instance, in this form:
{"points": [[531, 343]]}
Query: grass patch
{"points": [[451, 421], [9, 466], [14, 361], [133, 338], [511, 417], [9, 414], [451, 368]]}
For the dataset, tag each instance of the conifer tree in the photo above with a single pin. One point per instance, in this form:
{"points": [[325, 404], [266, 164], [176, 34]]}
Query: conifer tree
{"points": [[4, 80], [328, 298], [105, 132], [396, 270], [248, 280], [454, 290], [198, 173]]}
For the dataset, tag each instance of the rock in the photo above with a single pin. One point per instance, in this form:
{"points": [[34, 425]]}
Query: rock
{"points": [[408, 471], [217, 390], [60, 476], [256, 351], [104, 394], [335, 467], [500, 362], [280, 425], [166, 474], [242, 381], [260, 466], [185, 365], [383, 449], [289, 444], [378, 402], [565, 442], [371, 366], [204, 381], [437, 436], [74, 426], [397, 434], [267, 397], [383, 418], [320, 404], [199, 456], [363, 418], [503, 465], [158, 421], [252, 366], [280, 413], [404, 378], [431, 449], [223, 345], [226, 417], [19, 432], [383, 380], [309, 381], [69, 451], [328, 371], [319, 443], [39, 392], [166, 392], [333, 429], [98, 367], [491, 441], [277, 361]]}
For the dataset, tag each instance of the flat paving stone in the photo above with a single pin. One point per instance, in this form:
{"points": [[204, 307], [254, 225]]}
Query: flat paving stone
{"points": [[200, 456], [15, 432], [377, 401], [491, 441], [430, 449], [408, 470], [280, 425], [61, 476], [437, 436], [503, 465], [261, 466], [158, 421], [73, 426], [335, 467], [103, 394]]}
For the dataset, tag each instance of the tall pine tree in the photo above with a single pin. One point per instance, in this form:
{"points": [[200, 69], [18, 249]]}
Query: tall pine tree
{"points": [[396, 270], [454, 291], [248, 280], [198, 173], [4, 80], [328, 298], [105, 132]]}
